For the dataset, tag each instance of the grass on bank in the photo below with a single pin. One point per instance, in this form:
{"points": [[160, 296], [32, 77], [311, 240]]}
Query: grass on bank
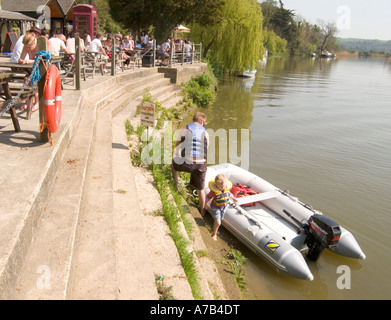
{"points": [[197, 92]]}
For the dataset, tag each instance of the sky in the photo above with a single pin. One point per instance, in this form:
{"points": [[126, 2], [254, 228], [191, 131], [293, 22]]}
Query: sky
{"points": [[365, 19]]}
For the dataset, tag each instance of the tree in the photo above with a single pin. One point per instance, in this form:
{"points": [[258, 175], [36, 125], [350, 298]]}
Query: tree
{"points": [[165, 15], [282, 22], [236, 41], [328, 30]]}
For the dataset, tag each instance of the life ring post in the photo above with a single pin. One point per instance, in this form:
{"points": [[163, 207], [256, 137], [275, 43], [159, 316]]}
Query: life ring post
{"points": [[42, 45]]}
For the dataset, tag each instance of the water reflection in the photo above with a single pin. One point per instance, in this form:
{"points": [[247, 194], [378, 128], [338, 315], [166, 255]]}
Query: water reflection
{"points": [[320, 128], [233, 106]]}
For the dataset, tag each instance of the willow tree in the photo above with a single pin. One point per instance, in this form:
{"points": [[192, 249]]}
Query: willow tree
{"points": [[235, 42]]}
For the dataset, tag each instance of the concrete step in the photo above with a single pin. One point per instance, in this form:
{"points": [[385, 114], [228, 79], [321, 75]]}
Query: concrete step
{"points": [[27, 197], [47, 266], [80, 211], [93, 273]]}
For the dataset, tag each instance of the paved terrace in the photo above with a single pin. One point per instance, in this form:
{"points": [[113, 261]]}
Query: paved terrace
{"points": [[28, 167]]}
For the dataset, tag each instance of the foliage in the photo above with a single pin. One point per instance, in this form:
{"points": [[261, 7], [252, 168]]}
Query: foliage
{"points": [[172, 215], [106, 23], [274, 44], [302, 37], [199, 90], [165, 292], [235, 42], [379, 46], [164, 15], [235, 260]]}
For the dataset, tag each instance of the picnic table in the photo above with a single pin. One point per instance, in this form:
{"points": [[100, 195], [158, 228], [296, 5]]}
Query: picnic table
{"points": [[16, 67], [5, 77], [94, 60], [15, 83]]}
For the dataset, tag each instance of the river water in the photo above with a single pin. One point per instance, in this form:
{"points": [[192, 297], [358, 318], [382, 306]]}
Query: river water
{"points": [[322, 130]]}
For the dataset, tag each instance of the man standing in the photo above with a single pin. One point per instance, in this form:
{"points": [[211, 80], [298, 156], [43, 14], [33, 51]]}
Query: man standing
{"points": [[164, 52], [190, 155]]}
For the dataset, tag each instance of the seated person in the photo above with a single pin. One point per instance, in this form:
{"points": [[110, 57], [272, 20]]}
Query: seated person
{"points": [[127, 47], [57, 44], [96, 46], [70, 44], [29, 50], [19, 45]]}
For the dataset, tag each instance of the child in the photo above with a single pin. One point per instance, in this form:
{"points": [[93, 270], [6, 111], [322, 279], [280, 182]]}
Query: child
{"points": [[218, 199]]}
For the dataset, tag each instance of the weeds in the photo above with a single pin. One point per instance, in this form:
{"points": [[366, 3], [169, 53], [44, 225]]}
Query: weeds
{"points": [[173, 209], [165, 293], [200, 90], [236, 260]]}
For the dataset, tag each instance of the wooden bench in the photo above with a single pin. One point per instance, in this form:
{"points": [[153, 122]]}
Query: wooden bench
{"points": [[119, 60], [93, 61], [5, 77], [67, 72], [136, 58], [26, 96]]}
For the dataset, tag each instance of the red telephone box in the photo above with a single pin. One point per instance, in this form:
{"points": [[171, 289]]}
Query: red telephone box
{"points": [[85, 19]]}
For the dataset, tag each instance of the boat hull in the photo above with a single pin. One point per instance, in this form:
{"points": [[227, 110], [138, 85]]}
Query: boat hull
{"points": [[247, 73], [273, 227]]}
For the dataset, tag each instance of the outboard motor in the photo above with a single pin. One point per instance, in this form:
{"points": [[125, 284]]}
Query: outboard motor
{"points": [[323, 233]]}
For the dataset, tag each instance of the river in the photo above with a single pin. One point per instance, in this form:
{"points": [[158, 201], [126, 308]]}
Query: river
{"points": [[322, 130]]}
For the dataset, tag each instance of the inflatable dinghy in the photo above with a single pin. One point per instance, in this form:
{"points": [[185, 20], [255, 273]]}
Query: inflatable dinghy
{"points": [[278, 227]]}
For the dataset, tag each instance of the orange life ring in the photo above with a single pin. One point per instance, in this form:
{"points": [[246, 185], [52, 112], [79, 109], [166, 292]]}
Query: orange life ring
{"points": [[52, 99]]}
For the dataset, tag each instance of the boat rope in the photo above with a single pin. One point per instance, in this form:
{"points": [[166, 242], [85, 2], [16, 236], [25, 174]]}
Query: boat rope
{"points": [[31, 80], [41, 56]]}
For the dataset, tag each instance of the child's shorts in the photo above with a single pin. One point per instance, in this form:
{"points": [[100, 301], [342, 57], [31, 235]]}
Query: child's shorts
{"points": [[217, 213]]}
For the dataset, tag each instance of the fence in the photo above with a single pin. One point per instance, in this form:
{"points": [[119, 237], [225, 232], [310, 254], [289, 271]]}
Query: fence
{"points": [[146, 57]]}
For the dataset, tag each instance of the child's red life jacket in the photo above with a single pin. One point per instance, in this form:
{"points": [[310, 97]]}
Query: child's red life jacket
{"points": [[240, 191]]}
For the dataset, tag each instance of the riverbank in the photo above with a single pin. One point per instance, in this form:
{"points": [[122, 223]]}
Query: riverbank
{"points": [[357, 54], [206, 259]]}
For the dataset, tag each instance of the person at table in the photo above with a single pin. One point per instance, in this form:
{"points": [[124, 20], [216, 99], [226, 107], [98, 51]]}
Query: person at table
{"points": [[70, 43], [144, 39], [87, 39], [107, 44], [19, 45], [57, 44], [96, 46], [29, 50], [128, 44], [127, 47]]}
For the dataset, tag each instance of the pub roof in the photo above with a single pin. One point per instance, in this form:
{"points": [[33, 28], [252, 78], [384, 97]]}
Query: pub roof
{"points": [[32, 5]]}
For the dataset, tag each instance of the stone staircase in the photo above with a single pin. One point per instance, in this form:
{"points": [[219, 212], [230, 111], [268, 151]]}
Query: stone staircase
{"points": [[80, 248]]}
